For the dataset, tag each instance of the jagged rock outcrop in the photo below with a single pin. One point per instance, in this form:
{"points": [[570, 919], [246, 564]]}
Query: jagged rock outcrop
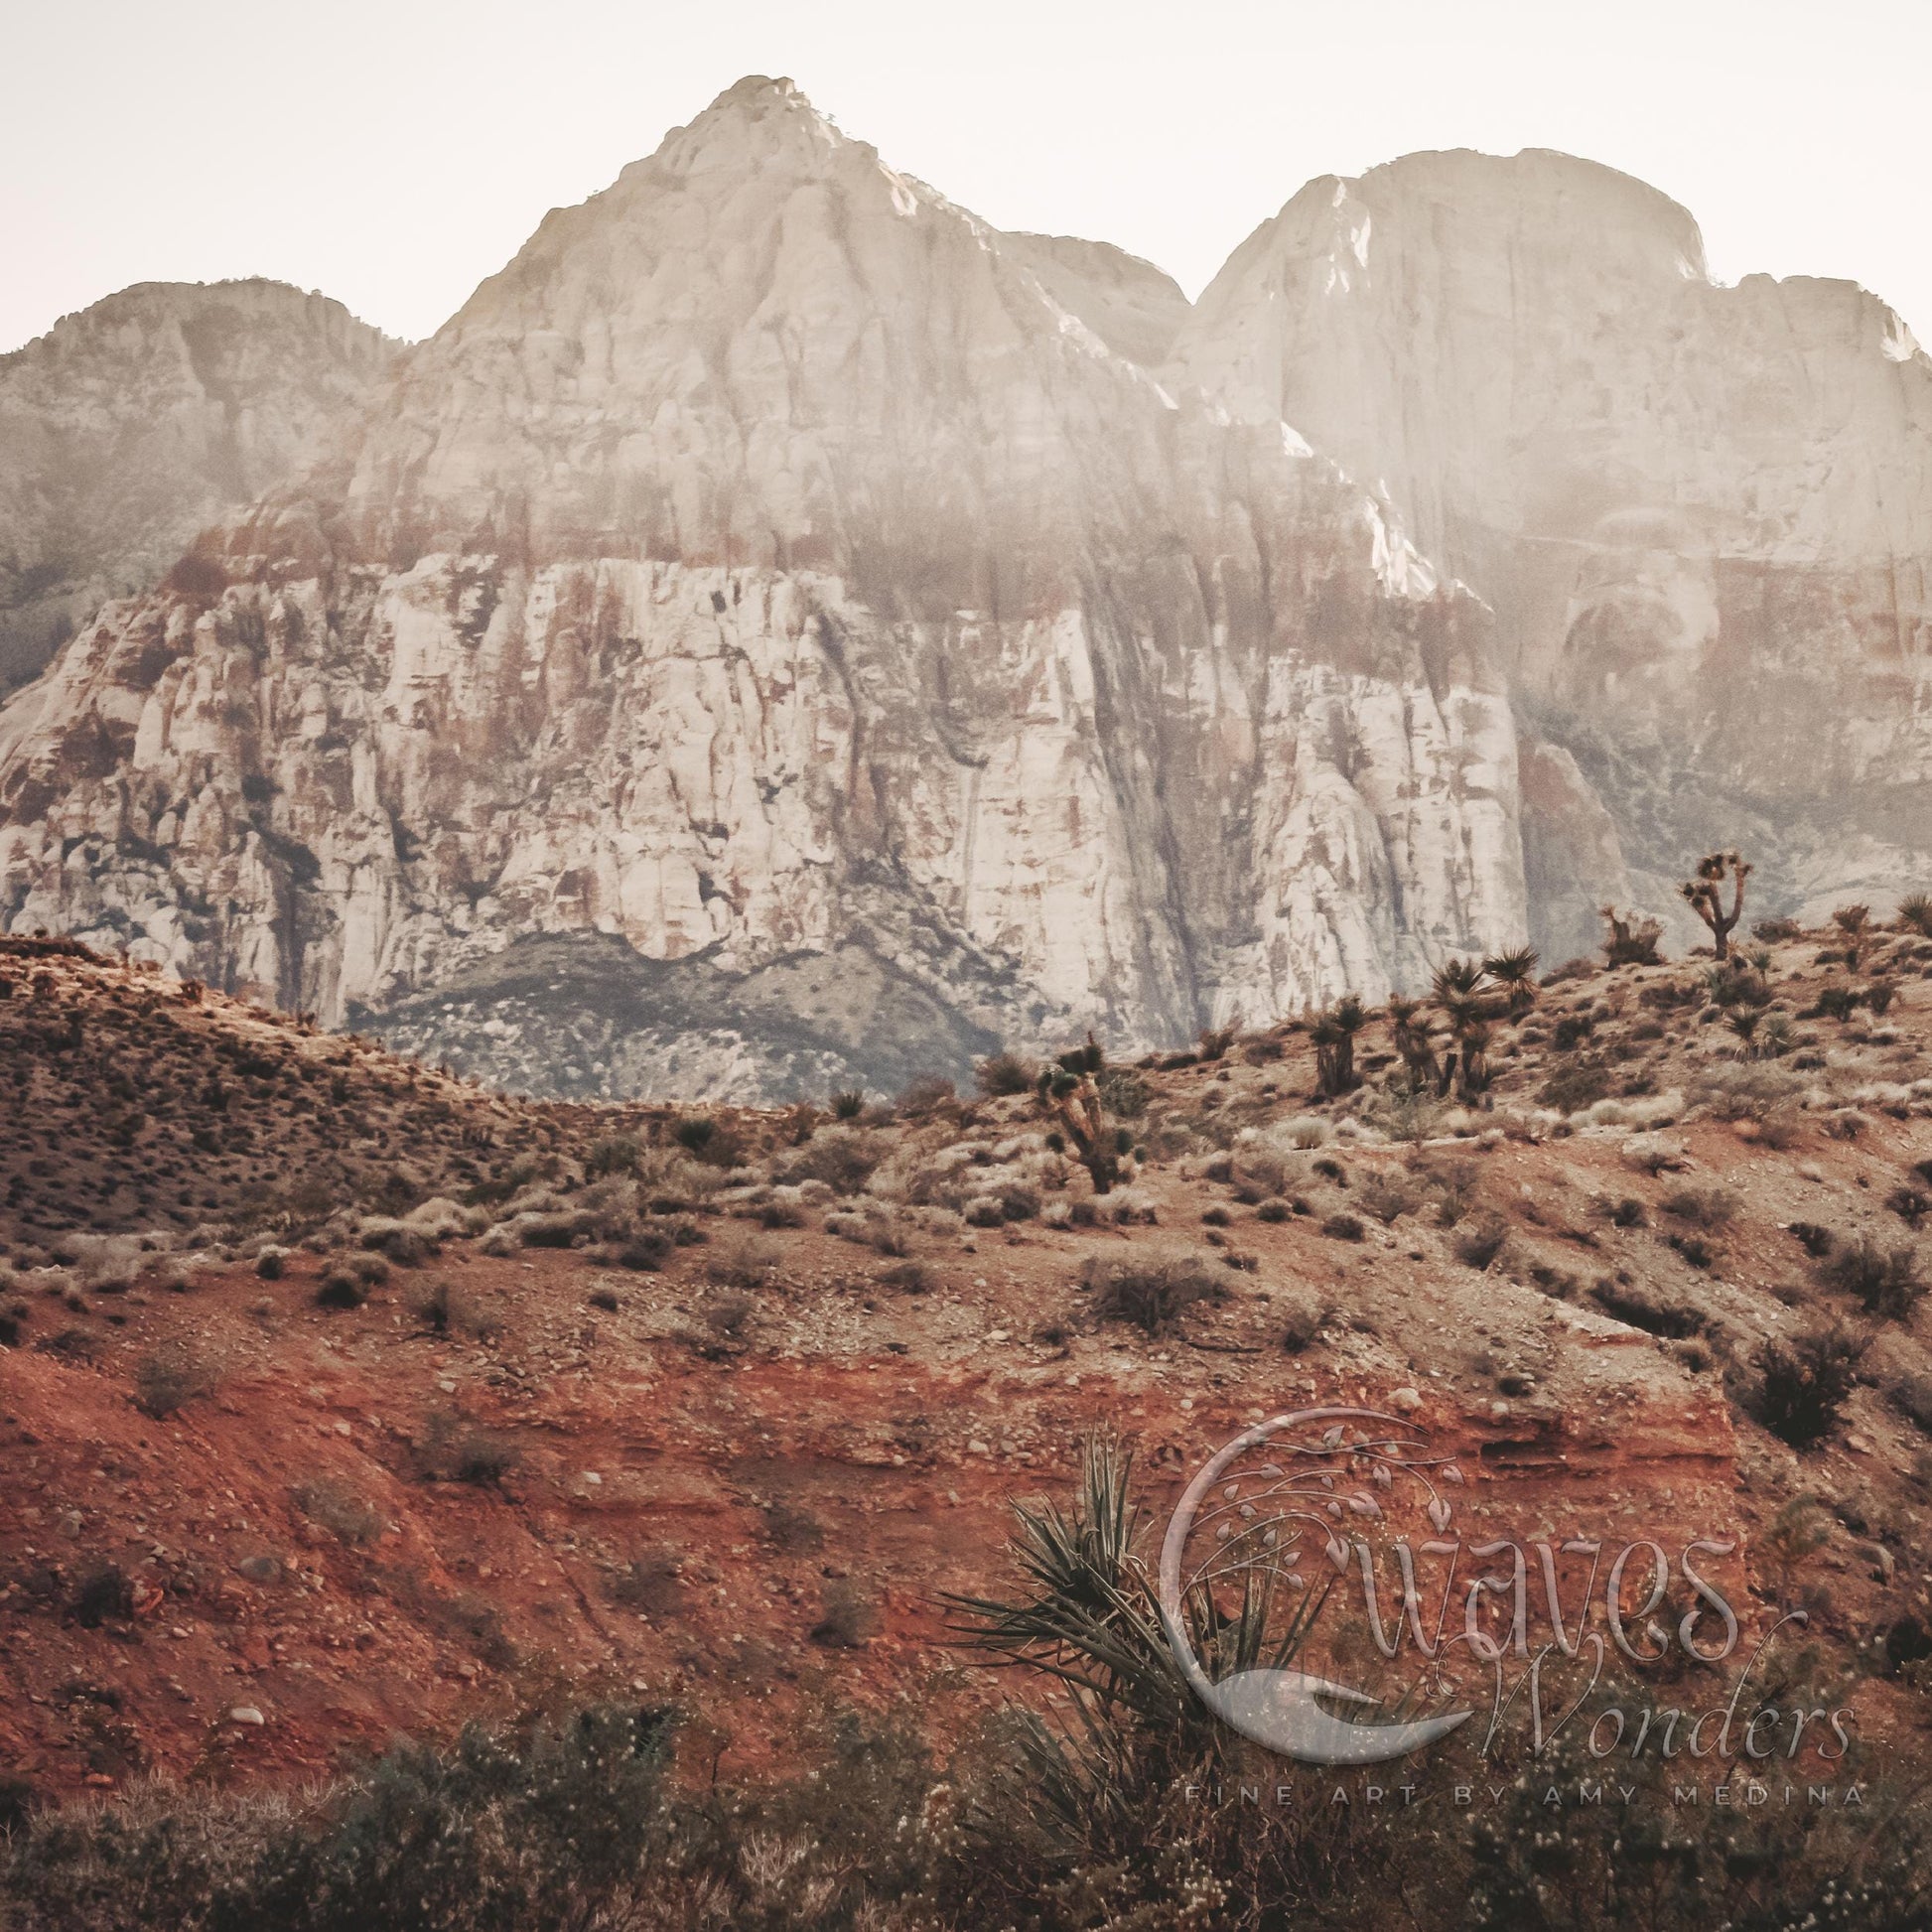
{"points": [[774, 565], [129, 427], [1702, 514]]}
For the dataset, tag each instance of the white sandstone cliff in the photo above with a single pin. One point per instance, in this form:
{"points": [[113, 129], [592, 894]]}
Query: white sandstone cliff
{"points": [[772, 565]]}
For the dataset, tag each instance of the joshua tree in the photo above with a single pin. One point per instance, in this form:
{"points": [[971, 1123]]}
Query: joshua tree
{"points": [[1515, 973], [1068, 1094], [1705, 896], [1334, 1034], [1414, 1043], [1632, 940], [1851, 921]]}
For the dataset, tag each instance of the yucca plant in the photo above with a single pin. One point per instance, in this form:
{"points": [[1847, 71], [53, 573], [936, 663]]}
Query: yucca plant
{"points": [[1915, 914], [1089, 1620], [1515, 972], [1414, 1043], [1334, 1034]]}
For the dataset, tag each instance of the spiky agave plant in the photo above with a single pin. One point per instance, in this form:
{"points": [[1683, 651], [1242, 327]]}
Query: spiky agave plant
{"points": [[1127, 1722]]}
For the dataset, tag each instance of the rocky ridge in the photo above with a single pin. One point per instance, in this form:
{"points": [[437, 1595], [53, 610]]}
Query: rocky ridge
{"points": [[129, 427]]}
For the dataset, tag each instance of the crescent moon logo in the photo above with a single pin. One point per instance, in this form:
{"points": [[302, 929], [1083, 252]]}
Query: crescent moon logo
{"points": [[1257, 1526]]}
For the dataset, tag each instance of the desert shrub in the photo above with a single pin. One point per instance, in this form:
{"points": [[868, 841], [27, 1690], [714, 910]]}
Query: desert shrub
{"points": [[1816, 1241], [1003, 1073], [1344, 1227], [1775, 929], [1151, 1291], [606, 1299], [1639, 1308], [1911, 1204], [1453, 1184], [923, 1092], [1693, 1249], [1572, 1089], [792, 1528], [909, 1276], [347, 1517], [728, 1312], [1629, 1213], [1877, 996], [1885, 1282], [272, 1263], [1389, 1196], [1804, 1382], [843, 1158], [406, 1246], [615, 1154], [1478, 1243], [848, 1104], [695, 1133], [452, 1450], [1273, 1210], [745, 1261], [340, 1288], [169, 1379], [1836, 1002], [644, 1250], [1123, 1092], [1301, 1318], [846, 1619], [1702, 1207], [1215, 1042]]}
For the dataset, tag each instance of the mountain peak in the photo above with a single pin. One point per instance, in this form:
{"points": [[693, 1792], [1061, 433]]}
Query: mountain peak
{"points": [[757, 118]]}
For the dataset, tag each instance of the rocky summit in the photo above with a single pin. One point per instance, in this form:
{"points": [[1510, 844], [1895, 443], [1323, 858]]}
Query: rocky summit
{"points": [[127, 428], [784, 634]]}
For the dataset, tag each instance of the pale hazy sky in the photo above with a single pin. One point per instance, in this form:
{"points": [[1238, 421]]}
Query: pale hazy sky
{"points": [[394, 152]]}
